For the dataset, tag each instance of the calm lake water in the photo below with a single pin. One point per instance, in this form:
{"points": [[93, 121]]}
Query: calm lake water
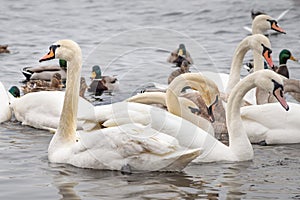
{"points": [[131, 39]]}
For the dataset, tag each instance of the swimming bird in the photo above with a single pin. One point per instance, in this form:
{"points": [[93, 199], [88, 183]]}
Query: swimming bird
{"points": [[42, 85], [240, 148], [3, 49], [5, 113], [101, 83], [263, 23], [183, 107], [132, 144], [284, 56], [45, 72], [180, 54], [184, 68], [268, 124]]}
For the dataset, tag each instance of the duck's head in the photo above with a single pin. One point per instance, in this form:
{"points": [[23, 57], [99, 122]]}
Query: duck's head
{"points": [[15, 91], [261, 45], [181, 50], [264, 23], [96, 72], [63, 64], [185, 67], [273, 83], [63, 49], [285, 55]]}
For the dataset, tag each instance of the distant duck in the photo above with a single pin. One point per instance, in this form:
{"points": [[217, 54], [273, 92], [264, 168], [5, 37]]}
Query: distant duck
{"points": [[101, 83], [45, 72], [42, 85], [180, 54], [184, 68], [3, 49]]}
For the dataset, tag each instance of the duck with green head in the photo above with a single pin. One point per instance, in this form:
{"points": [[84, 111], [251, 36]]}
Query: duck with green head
{"points": [[101, 83], [179, 55], [284, 56]]}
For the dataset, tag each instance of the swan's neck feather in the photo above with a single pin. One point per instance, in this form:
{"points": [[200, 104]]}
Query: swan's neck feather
{"points": [[236, 64], [68, 119], [238, 140], [203, 85]]}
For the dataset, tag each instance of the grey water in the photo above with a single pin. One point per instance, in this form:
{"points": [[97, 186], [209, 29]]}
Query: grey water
{"points": [[132, 40]]}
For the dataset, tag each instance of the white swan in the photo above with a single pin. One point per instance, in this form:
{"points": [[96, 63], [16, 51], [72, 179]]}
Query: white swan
{"points": [[42, 110], [261, 48], [182, 106], [269, 124], [141, 147], [240, 148], [263, 23], [5, 112]]}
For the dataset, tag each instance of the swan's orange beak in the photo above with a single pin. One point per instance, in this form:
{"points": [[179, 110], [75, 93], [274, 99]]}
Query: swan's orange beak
{"points": [[50, 55], [277, 28], [268, 58], [278, 93]]}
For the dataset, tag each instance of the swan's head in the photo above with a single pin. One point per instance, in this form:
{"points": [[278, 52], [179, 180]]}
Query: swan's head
{"points": [[62, 49], [261, 45], [273, 83], [208, 89], [262, 23]]}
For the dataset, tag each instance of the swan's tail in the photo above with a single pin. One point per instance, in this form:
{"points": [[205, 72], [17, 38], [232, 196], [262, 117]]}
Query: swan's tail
{"points": [[5, 111], [180, 159]]}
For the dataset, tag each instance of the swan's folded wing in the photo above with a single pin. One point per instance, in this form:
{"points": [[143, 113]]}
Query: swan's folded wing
{"points": [[141, 146]]}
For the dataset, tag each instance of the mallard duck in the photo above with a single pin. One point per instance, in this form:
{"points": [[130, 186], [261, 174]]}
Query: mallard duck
{"points": [[42, 85], [184, 68], [45, 72], [101, 83], [179, 55], [83, 87], [3, 49], [282, 69], [15, 91], [284, 56]]}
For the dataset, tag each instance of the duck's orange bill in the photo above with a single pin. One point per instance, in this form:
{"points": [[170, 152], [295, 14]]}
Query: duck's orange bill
{"points": [[48, 56], [293, 58]]}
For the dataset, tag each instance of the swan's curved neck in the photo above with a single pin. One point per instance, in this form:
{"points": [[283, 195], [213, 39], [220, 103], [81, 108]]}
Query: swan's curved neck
{"points": [[150, 98], [238, 139], [195, 81], [237, 62], [68, 119]]}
